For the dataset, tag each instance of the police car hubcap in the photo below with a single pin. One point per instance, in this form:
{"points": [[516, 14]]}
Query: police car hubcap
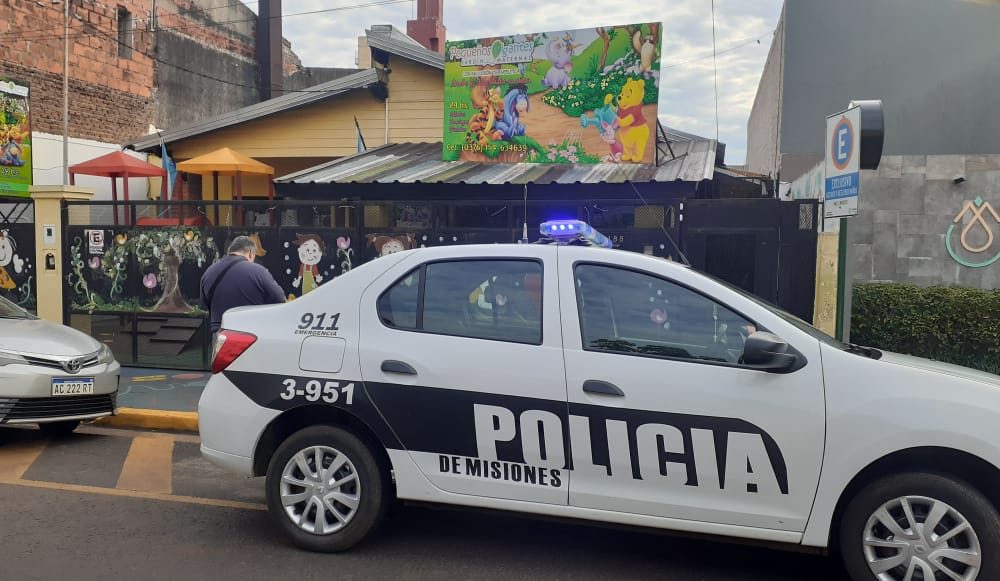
{"points": [[320, 490], [916, 537]]}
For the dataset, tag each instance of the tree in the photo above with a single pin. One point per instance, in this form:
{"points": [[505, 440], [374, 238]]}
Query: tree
{"points": [[606, 39], [171, 301]]}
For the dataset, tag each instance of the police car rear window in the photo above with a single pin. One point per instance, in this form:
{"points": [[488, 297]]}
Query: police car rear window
{"points": [[483, 299]]}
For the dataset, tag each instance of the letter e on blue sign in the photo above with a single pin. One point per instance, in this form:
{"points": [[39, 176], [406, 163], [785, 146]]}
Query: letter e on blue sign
{"points": [[843, 177]]}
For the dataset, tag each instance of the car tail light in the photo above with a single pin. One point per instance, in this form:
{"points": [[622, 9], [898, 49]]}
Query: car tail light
{"points": [[228, 346]]}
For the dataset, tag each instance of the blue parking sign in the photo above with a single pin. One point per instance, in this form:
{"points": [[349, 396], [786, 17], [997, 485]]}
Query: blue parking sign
{"points": [[843, 176]]}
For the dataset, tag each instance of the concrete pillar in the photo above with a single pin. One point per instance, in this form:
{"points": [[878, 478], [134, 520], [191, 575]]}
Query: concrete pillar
{"points": [[49, 245], [825, 312]]}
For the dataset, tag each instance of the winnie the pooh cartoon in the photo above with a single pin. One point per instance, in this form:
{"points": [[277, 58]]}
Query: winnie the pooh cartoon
{"points": [[634, 130]]}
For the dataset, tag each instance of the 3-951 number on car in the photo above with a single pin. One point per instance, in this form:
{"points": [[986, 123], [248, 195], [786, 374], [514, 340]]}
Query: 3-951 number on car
{"points": [[316, 390]]}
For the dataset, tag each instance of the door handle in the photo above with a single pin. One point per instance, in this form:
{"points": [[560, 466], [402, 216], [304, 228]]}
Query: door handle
{"points": [[392, 366], [602, 387]]}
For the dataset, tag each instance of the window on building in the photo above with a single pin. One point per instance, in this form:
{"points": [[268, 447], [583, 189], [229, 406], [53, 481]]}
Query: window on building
{"points": [[125, 26]]}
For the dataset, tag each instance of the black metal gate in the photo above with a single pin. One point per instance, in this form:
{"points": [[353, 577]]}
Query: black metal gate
{"points": [[764, 246]]}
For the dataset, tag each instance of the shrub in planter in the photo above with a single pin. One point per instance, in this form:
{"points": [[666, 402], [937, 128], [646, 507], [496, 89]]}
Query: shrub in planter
{"points": [[954, 324]]}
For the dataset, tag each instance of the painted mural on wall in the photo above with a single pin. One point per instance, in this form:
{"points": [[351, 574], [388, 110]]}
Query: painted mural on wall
{"points": [[390, 243], [311, 258], [143, 270], [17, 270], [159, 270], [573, 96]]}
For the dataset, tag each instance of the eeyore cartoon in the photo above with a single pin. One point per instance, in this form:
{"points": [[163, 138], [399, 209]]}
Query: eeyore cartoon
{"points": [[515, 103], [560, 52], [10, 154]]}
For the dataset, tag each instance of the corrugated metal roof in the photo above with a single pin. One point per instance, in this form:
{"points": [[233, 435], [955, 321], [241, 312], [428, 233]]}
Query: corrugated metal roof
{"points": [[422, 163], [394, 42], [286, 102]]}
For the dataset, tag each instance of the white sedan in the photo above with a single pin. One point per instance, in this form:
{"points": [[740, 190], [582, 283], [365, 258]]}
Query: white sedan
{"points": [[604, 385], [52, 375]]}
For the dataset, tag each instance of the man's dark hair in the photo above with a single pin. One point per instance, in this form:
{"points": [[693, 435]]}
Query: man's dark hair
{"points": [[242, 245]]}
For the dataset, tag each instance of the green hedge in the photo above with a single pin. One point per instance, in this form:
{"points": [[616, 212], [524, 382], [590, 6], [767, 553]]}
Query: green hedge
{"points": [[954, 324]]}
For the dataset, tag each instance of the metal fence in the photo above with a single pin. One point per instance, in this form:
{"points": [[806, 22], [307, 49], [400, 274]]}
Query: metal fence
{"points": [[133, 270]]}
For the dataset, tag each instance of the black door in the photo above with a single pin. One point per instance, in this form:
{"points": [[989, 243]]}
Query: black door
{"points": [[764, 246]]}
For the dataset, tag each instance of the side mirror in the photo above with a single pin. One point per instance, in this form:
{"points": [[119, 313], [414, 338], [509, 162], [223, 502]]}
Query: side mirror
{"points": [[768, 352]]}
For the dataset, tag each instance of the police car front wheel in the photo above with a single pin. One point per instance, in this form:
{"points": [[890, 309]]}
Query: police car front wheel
{"points": [[921, 526], [325, 489]]}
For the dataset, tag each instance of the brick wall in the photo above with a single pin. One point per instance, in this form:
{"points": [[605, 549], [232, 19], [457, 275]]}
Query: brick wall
{"points": [[115, 99], [109, 96]]}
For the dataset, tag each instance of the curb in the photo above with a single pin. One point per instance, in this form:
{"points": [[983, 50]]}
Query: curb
{"points": [[151, 420]]}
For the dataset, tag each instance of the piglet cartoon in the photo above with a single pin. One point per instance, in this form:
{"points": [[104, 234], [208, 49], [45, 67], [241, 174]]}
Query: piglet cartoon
{"points": [[609, 133]]}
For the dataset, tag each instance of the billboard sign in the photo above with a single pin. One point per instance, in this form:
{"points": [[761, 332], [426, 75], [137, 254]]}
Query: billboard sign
{"points": [[15, 139], [570, 96]]}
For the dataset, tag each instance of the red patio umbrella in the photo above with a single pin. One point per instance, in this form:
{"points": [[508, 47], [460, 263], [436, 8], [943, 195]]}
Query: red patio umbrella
{"points": [[119, 164]]}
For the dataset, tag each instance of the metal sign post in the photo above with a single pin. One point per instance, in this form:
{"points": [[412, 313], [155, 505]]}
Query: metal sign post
{"points": [[854, 140]]}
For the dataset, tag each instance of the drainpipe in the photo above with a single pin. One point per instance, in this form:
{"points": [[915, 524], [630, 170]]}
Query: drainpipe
{"points": [[387, 120]]}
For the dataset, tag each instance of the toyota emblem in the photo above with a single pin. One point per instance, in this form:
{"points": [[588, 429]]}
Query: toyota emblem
{"points": [[73, 365]]}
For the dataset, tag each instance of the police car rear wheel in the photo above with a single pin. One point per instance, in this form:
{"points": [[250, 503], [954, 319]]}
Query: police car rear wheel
{"points": [[920, 526], [325, 489]]}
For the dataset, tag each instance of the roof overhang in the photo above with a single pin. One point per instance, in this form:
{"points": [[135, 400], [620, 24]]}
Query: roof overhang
{"points": [[404, 47], [292, 100], [422, 163]]}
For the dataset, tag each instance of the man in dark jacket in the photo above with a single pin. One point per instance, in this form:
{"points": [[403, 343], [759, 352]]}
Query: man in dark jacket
{"points": [[235, 281]]}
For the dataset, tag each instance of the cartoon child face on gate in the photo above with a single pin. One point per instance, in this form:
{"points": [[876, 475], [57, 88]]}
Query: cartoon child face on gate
{"points": [[386, 245], [310, 252], [6, 250]]}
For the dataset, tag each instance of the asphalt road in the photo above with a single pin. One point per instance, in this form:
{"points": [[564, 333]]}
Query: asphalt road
{"points": [[97, 507]]}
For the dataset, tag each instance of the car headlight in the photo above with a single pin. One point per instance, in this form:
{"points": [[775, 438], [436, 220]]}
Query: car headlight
{"points": [[105, 355], [11, 358]]}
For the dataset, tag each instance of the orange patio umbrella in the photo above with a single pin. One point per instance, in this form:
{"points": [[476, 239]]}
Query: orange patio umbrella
{"points": [[119, 164], [228, 162]]}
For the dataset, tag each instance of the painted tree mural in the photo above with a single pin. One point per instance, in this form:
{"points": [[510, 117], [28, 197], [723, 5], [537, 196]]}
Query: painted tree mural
{"points": [[100, 279]]}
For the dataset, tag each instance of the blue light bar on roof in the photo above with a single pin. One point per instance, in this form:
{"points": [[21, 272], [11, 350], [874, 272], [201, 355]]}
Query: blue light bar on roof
{"points": [[565, 231]]}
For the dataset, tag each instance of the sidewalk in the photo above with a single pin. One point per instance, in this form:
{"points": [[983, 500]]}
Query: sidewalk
{"points": [[164, 399]]}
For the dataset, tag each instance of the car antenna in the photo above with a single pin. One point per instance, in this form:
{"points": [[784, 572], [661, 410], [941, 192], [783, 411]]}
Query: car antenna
{"points": [[662, 228], [524, 231]]}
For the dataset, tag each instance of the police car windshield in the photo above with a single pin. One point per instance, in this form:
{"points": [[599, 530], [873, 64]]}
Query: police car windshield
{"points": [[785, 315]]}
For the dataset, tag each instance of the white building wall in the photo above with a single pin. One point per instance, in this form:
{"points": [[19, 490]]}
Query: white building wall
{"points": [[765, 115], [47, 162]]}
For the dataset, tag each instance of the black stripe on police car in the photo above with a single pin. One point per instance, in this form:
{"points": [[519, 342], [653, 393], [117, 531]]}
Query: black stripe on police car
{"points": [[720, 453], [706, 451]]}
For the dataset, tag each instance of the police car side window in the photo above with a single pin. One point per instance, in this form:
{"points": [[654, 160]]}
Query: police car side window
{"points": [[483, 299], [624, 311], [397, 307]]}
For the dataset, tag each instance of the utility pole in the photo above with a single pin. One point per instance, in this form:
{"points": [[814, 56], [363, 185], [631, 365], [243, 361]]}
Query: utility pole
{"points": [[65, 92]]}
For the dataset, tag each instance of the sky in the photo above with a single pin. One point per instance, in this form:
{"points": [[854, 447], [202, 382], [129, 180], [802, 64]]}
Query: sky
{"points": [[687, 91]]}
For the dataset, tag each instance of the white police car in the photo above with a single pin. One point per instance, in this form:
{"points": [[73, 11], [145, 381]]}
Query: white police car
{"points": [[604, 385]]}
